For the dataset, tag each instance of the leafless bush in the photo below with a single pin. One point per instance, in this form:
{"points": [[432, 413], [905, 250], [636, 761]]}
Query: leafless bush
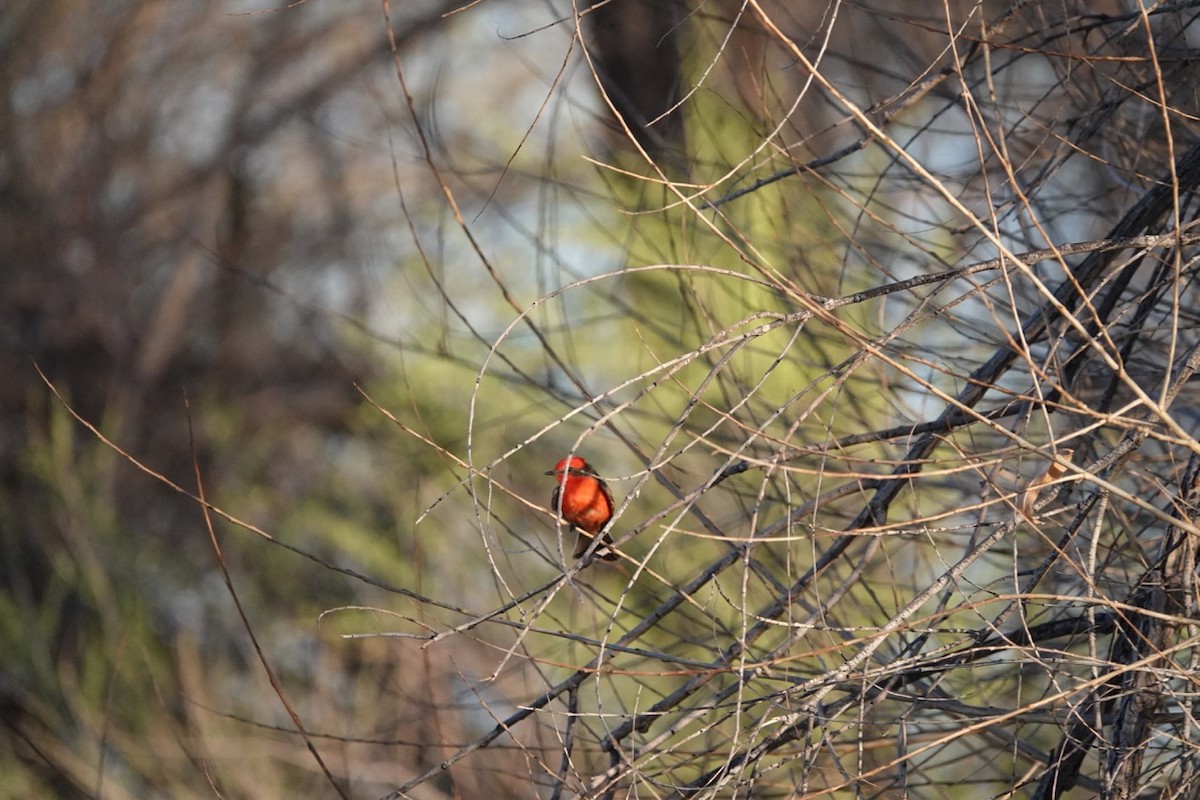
{"points": [[880, 323]]}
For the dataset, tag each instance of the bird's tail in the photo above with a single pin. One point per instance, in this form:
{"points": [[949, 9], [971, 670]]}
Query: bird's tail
{"points": [[584, 541]]}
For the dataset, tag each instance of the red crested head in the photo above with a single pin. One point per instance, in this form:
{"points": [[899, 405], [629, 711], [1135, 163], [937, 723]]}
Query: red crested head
{"points": [[567, 466]]}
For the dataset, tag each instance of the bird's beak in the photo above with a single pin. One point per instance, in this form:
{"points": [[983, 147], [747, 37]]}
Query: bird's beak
{"points": [[550, 472]]}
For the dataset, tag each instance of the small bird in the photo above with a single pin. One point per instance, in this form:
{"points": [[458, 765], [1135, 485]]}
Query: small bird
{"points": [[587, 504], [1050, 474]]}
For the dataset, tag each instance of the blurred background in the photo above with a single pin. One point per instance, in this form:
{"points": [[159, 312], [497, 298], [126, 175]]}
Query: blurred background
{"points": [[360, 273]]}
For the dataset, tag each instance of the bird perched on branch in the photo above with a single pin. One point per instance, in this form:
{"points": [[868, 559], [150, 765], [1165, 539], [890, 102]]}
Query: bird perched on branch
{"points": [[585, 503]]}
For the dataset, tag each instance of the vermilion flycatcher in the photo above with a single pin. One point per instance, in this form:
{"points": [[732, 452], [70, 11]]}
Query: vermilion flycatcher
{"points": [[587, 504]]}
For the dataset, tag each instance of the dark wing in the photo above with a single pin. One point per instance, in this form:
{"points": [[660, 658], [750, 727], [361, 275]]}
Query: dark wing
{"points": [[612, 507], [556, 508]]}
